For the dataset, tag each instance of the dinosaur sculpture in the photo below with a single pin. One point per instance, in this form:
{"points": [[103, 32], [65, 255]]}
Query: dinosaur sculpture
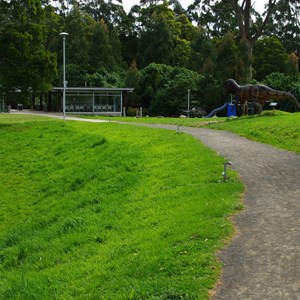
{"points": [[256, 94]]}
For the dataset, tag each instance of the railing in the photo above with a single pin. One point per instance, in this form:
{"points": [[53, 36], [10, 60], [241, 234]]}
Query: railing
{"points": [[88, 108]]}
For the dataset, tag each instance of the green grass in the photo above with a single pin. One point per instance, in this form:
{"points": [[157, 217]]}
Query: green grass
{"points": [[192, 122], [109, 211], [280, 130]]}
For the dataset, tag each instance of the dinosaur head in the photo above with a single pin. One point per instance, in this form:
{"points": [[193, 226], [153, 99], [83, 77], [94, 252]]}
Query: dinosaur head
{"points": [[230, 86]]}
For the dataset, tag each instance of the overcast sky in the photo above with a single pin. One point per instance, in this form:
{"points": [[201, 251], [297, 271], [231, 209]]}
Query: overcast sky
{"points": [[127, 4]]}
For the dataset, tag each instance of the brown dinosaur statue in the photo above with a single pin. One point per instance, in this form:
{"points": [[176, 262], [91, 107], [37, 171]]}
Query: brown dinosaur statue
{"points": [[256, 94]]}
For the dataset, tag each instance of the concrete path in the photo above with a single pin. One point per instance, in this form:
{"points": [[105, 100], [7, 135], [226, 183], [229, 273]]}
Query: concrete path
{"points": [[263, 261], [56, 115]]}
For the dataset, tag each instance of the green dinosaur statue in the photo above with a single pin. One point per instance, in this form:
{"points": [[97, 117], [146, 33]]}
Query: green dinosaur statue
{"points": [[256, 94]]}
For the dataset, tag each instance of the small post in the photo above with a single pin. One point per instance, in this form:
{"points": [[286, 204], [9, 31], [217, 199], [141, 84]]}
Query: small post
{"points": [[225, 170], [124, 111], [141, 112]]}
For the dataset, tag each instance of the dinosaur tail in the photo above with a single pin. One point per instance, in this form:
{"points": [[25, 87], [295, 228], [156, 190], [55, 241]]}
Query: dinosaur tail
{"points": [[295, 101], [285, 95]]}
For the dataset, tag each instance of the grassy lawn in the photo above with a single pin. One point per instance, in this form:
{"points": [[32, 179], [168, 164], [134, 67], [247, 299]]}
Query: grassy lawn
{"points": [[109, 211], [192, 122], [281, 130]]}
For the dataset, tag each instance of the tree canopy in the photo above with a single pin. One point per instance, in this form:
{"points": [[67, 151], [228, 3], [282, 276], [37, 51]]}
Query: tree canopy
{"points": [[210, 41]]}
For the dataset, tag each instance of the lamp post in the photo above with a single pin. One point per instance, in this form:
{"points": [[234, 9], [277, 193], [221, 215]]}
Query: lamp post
{"points": [[64, 34], [188, 108]]}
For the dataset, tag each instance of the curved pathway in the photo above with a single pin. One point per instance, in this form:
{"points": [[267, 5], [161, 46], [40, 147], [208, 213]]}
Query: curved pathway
{"points": [[263, 261]]}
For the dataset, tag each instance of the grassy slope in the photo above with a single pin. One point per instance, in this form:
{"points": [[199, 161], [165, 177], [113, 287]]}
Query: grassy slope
{"points": [[109, 211], [281, 130]]}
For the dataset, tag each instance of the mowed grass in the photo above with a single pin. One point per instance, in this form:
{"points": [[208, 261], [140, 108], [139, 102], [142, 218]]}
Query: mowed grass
{"points": [[109, 211], [281, 129], [192, 122]]}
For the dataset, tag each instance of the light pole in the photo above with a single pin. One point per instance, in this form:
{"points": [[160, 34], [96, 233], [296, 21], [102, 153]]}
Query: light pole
{"points": [[64, 34], [188, 108]]}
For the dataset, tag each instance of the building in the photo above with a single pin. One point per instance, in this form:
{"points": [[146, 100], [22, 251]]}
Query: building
{"points": [[92, 100]]}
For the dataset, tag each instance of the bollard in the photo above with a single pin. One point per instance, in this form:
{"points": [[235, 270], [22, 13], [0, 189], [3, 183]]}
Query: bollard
{"points": [[225, 170]]}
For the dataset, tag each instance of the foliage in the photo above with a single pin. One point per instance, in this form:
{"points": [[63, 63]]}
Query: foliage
{"points": [[236, 16], [163, 89], [217, 17], [269, 57], [79, 26], [229, 59], [101, 51], [132, 80], [112, 13], [102, 210], [105, 79], [156, 44], [284, 82], [75, 74], [24, 61], [104, 39], [286, 24], [203, 53], [209, 92], [280, 81], [165, 37]]}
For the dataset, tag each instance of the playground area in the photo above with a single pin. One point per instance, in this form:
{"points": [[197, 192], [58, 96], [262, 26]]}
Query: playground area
{"points": [[252, 99]]}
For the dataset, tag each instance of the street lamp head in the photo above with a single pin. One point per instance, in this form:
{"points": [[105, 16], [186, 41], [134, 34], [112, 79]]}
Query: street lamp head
{"points": [[63, 34]]}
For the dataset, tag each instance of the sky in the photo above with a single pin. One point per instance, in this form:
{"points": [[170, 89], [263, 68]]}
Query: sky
{"points": [[127, 4]]}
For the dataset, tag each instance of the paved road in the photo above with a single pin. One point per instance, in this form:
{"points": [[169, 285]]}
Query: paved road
{"points": [[263, 261], [56, 115]]}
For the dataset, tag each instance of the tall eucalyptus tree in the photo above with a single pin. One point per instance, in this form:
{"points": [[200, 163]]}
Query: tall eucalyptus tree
{"points": [[237, 16]]}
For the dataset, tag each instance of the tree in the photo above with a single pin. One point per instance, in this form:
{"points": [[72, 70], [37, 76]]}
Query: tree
{"points": [[24, 61], [286, 24], [115, 43], [229, 59], [203, 52], [248, 34], [284, 82], [185, 32], [269, 57], [112, 13], [163, 89], [132, 75], [156, 43], [165, 37], [249, 28], [79, 25], [100, 53], [105, 79], [132, 80], [216, 17]]}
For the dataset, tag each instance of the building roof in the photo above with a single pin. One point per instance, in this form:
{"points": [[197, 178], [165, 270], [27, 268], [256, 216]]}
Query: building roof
{"points": [[92, 89]]}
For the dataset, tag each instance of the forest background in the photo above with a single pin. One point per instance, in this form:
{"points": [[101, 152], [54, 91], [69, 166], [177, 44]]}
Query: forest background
{"points": [[158, 48]]}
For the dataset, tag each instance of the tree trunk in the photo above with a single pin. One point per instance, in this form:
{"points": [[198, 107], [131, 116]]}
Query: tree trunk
{"points": [[249, 56], [245, 24]]}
